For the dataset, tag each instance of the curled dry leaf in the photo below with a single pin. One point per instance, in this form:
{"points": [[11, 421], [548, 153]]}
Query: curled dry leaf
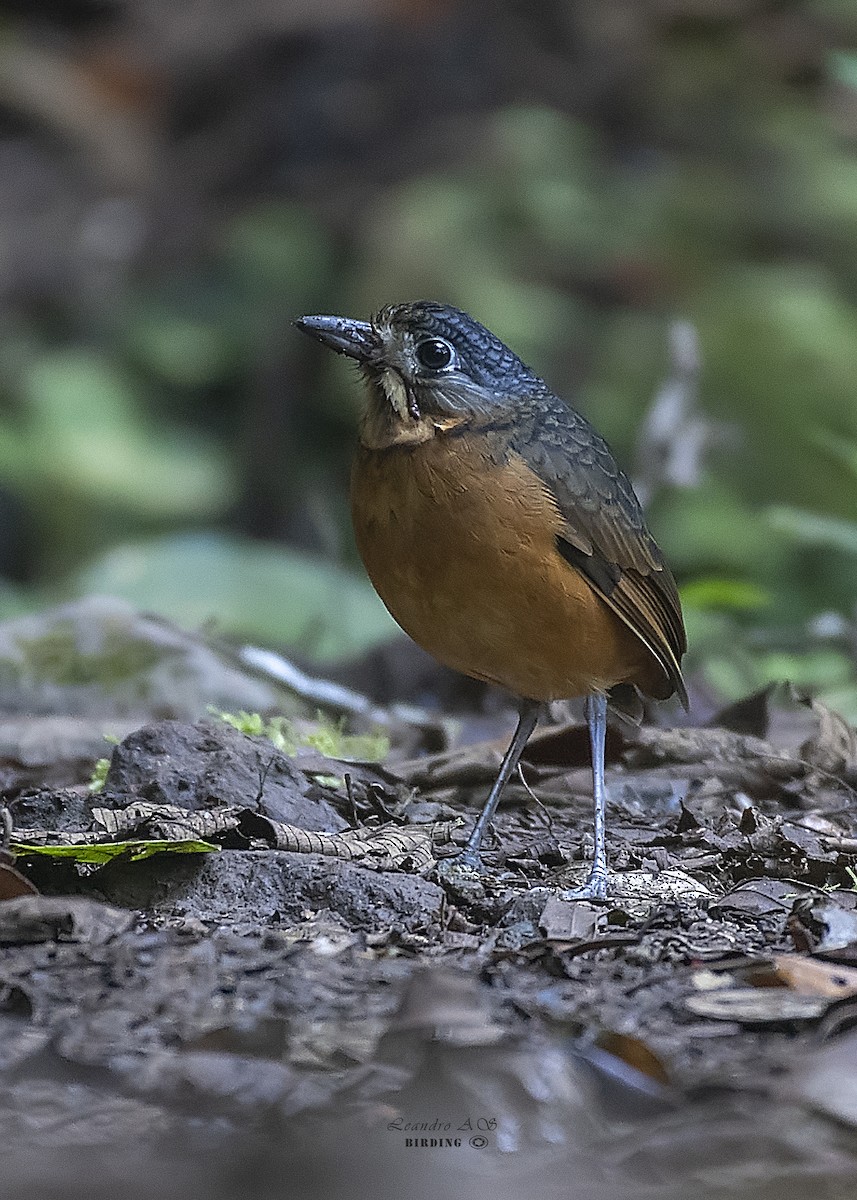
{"points": [[166, 822], [382, 848], [794, 988], [54, 838], [833, 747], [635, 1053]]}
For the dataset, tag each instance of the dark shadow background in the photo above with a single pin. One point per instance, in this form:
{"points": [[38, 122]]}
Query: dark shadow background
{"points": [[178, 181]]}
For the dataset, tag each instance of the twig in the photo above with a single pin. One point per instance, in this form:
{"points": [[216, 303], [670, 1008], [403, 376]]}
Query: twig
{"points": [[263, 779], [535, 799], [327, 694], [349, 792], [5, 827]]}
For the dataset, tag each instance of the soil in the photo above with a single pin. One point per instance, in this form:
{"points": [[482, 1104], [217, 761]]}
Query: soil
{"points": [[261, 1021]]}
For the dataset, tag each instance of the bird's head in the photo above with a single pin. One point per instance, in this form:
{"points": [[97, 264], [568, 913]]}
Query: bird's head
{"points": [[426, 360]]}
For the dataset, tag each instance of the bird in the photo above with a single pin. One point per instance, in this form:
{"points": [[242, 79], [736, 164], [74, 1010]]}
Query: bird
{"points": [[500, 533]]}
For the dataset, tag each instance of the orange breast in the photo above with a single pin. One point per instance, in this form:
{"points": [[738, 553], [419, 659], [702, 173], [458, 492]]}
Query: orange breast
{"points": [[461, 550]]}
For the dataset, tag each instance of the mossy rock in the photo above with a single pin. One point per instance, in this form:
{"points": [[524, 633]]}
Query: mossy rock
{"points": [[100, 655]]}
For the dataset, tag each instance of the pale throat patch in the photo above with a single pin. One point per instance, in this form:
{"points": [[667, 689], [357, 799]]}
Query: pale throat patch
{"points": [[390, 419], [396, 393]]}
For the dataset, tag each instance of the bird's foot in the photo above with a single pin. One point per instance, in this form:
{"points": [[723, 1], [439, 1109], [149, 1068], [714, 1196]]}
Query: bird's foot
{"points": [[595, 887], [463, 876], [466, 859]]}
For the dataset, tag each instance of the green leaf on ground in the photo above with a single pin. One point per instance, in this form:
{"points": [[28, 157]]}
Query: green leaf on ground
{"points": [[104, 852]]}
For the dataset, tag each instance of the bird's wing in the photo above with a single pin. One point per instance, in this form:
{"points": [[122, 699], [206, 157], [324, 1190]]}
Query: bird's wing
{"points": [[603, 533]]}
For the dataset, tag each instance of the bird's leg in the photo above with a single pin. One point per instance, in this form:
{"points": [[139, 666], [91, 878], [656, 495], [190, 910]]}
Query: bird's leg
{"points": [[530, 710], [595, 887]]}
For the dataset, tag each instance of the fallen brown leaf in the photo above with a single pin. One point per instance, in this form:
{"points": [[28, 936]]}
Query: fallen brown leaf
{"points": [[812, 977]]}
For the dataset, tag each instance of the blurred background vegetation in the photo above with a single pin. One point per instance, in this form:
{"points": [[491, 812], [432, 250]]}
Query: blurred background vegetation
{"points": [[178, 181]]}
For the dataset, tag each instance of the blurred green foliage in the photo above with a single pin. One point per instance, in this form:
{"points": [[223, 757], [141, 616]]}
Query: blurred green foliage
{"points": [[251, 589], [778, 330], [732, 204]]}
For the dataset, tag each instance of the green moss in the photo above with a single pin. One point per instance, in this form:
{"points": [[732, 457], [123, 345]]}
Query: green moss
{"points": [[56, 657], [327, 737], [99, 775]]}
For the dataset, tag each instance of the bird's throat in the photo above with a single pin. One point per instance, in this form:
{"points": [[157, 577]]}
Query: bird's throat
{"points": [[399, 398], [392, 416]]}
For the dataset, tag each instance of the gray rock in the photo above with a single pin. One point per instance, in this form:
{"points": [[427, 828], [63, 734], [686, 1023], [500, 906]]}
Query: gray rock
{"points": [[60, 918], [39, 742], [64, 811], [210, 764], [261, 887], [99, 656], [55, 751]]}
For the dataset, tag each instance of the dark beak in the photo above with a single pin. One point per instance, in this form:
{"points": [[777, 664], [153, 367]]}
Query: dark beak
{"points": [[356, 339]]}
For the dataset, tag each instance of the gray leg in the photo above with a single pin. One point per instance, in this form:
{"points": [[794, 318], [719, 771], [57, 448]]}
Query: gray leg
{"points": [[530, 710], [595, 887]]}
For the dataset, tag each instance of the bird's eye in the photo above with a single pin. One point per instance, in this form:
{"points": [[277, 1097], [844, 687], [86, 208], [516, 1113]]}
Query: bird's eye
{"points": [[434, 354]]}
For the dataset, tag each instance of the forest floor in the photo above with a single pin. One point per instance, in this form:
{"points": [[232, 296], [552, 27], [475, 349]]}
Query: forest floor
{"points": [[290, 998]]}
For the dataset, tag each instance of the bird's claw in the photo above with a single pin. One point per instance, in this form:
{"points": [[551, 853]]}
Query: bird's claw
{"points": [[467, 862], [595, 888], [469, 858], [463, 876]]}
